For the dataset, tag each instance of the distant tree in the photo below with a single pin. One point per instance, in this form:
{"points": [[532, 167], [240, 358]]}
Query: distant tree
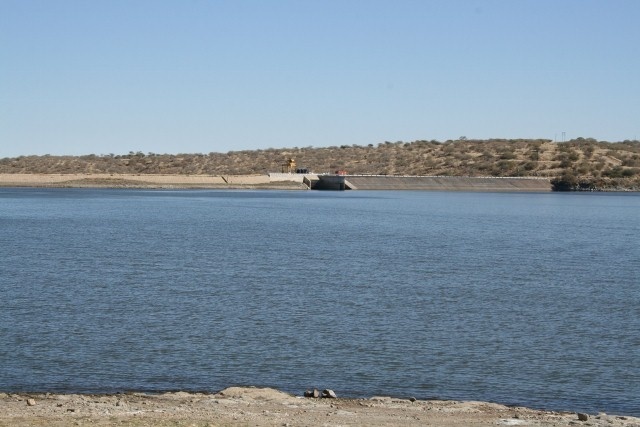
{"points": [[566, 182]]}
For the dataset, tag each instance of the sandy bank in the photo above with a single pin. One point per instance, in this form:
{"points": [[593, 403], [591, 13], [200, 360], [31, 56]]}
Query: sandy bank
{"points": [[267, 407]]}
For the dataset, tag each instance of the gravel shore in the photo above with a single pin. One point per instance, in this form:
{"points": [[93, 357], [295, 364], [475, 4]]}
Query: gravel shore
{"points": [[248, 406]]}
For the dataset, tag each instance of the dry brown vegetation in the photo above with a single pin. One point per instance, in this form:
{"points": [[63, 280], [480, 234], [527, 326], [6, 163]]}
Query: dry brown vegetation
{"points": [[582, 163]]}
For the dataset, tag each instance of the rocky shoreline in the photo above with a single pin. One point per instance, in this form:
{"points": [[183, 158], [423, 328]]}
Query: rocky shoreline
{"points": [[241, 406]]}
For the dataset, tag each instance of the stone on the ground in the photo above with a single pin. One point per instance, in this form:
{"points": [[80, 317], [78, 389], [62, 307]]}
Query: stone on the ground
{"points": [[31, 402], [312, 393], [328, 393], [583, 417]]}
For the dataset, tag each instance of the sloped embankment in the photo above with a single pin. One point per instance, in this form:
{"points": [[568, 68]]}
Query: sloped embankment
{"points": [[447, 183]]}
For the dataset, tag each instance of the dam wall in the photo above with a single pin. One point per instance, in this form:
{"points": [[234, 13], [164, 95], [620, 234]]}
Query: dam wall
{"points": [[75, 179], [246, 179], [295, 177], [313, 181], [431, 183]]}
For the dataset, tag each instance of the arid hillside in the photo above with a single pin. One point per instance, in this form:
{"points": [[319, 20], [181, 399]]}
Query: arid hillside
{"points": [[583, 163]]}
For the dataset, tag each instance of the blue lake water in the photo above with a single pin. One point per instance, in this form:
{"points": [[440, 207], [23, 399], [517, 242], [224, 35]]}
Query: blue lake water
{"points": [[527, 299]]}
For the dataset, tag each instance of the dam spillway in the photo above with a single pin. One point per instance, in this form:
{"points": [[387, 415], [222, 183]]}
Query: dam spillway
{"points": [[430, 183]]}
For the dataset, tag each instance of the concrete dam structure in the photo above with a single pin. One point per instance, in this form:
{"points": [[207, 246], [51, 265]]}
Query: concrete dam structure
{"points": [[279, 181], [429, 183]]}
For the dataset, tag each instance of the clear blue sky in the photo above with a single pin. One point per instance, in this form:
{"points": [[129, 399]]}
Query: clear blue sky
{"points": [[196, 76]]}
